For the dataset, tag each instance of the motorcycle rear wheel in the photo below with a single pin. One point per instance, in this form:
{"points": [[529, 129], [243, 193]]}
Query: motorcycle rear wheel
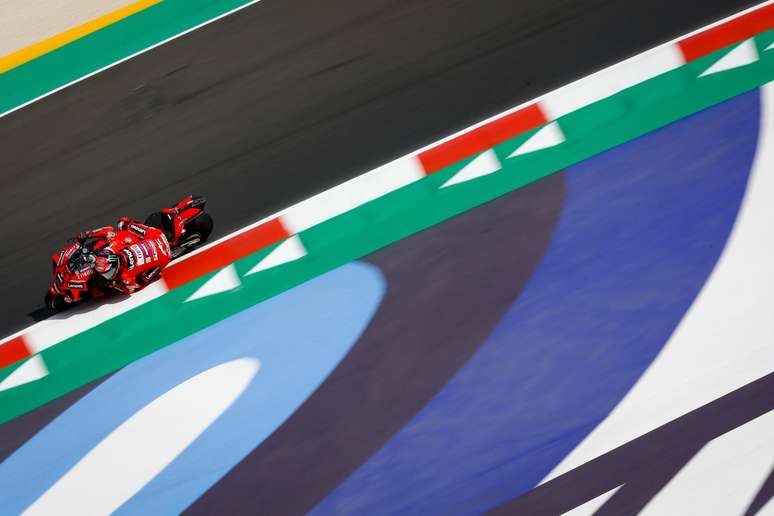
{"points": [[161, 221], [196, 233]]}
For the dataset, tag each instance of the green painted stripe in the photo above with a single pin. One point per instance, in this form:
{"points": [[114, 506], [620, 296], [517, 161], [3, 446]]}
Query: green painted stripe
{"points": [[357, 233], [106, 46]]}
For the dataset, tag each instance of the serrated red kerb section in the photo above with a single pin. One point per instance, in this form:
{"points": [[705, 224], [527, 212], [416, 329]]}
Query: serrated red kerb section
{"points": [[13, 351], [734, 31], [482, 138], [224, 253]]}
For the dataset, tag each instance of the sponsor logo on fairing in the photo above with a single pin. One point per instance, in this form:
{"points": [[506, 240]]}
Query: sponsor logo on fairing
{"points": [[137, 250], [152, 245], [59, 261], [163, 245], [145, 250], [72, 284], [137, 229], [151, 273], [129, 258]]}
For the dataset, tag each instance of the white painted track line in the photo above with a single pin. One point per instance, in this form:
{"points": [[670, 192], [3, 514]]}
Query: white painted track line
{"points": [[132, 56]]}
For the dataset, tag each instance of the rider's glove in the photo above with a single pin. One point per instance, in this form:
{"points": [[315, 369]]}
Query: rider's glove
{"points": [[83, 235]]}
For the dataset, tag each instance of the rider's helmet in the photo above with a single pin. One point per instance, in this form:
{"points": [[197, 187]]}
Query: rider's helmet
{"points": [[106, 263]]}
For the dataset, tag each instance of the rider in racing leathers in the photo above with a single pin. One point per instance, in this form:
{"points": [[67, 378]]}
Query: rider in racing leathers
{"points": [[133, 256]]}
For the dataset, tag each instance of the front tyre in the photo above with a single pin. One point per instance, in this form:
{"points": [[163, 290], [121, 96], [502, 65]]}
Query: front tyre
{"points": [[56, 303]]}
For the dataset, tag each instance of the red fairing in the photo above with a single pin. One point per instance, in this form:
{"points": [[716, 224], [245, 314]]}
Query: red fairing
{"points": [[107, 233], [185, 203], [182, 214], [182, 219], [71, 281], [143, 251]]}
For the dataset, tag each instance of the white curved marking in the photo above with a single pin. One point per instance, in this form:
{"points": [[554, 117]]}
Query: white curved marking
{"points": [[725, 476], [547, 137], [743, 55], [138, 450], [31, 370], [725, 339], [290, 250], [484, 164], [226, 279]]}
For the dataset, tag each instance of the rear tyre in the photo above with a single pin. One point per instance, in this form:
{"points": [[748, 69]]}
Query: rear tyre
{"points": [[161, 221], [197, 231], [201, 225]]}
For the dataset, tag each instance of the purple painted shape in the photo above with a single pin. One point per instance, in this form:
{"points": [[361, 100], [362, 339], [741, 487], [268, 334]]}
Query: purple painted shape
{"points": [[642, 229]]}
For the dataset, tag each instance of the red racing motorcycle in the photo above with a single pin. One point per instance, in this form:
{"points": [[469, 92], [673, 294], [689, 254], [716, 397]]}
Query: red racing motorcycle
{"points": [[186, 227]]}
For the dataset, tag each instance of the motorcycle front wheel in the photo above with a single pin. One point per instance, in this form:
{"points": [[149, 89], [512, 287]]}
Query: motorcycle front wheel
{"points": [[56, 303]]}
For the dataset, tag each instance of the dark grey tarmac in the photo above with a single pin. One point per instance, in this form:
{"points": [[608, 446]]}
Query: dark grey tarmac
{"points": [[287, 98]]}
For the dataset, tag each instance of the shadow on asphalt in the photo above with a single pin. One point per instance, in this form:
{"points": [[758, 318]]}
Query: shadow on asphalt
{"points": [[42, 312]]}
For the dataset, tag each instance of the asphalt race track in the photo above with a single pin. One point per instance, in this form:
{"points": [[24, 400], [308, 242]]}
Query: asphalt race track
{"points": [[560, 312], [286, 98], [462, 392]]}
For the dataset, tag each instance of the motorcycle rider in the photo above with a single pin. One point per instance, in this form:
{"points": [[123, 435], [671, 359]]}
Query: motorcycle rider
{"points": [[132, 257]]}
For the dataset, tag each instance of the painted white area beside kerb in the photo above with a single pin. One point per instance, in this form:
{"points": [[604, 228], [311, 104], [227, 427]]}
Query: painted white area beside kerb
{"points": [[52, 331], [30, 371], [138, 450], [549, 136], [724, 477], [483, 165], [744, 54], [610, 81], [225, 280], [725, 340], [351, 194], [288, 251]]}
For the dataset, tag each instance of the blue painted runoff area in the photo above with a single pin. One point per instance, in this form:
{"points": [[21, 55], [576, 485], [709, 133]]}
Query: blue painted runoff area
{"points": [[641, 230], [299, 338]]}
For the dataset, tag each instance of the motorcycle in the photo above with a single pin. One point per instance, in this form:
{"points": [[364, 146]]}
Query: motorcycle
{"points": [[186, 227]]}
